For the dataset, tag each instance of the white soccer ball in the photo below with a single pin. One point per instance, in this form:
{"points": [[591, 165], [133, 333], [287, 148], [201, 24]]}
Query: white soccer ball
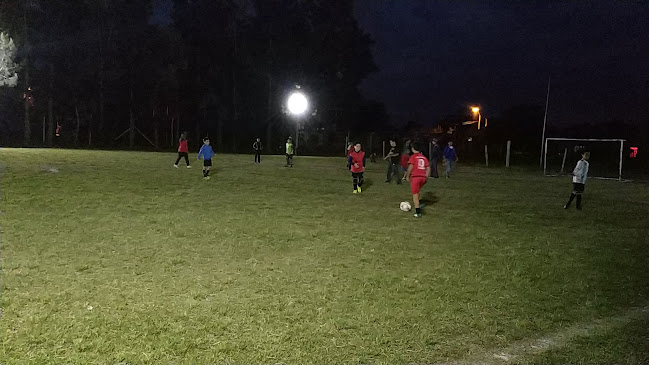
{"points": [[405, 206]]}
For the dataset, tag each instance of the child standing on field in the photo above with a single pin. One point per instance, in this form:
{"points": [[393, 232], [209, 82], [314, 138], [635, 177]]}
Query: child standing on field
{"points": [[258, 148], [183, 150], [579, 175], [356, 163], [207, 152], [289, 152], [418, 172]]}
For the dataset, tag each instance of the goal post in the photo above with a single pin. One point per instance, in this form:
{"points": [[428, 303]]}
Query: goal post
{"points": [[607, 156]]}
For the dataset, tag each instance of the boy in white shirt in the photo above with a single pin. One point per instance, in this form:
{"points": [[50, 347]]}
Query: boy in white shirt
{"points": [[579, 175]]}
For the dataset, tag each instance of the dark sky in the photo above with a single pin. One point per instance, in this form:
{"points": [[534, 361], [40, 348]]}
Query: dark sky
{"points": [[437, 57]]}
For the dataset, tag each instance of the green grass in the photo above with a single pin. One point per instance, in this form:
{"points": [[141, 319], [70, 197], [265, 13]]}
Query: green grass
{"points": [[119, 257]]}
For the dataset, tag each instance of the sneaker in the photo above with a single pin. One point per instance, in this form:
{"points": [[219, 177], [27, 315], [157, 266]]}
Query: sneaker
{"points": [[359, 189], [206, 178], [565, 207], [189, 166], [176, 166], [355, 192], [417, 215]]}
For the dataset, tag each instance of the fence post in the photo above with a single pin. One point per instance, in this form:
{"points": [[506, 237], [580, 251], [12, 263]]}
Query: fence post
{"points": [[383, 149], [509, 148], [486, 156]]}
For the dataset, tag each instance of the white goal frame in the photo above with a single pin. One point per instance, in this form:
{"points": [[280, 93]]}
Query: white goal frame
{"points": [[545, 153]]}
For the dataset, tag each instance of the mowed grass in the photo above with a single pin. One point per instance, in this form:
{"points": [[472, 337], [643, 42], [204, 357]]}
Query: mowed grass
{"points": [[120, 258]]}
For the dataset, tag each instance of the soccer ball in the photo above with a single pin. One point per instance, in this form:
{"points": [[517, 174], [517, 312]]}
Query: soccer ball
{"points": [[405, 206]]}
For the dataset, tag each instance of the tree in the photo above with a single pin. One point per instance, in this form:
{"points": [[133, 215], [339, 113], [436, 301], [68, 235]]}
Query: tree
{"points": [[8, 68]]}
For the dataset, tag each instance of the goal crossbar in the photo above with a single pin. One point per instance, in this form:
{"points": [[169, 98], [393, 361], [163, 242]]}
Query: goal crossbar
{"points": [[545, 153]]}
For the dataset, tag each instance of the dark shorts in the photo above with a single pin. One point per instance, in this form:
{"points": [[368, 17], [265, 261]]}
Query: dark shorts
{"points": [[357, 175], [578, 188], [416, 183], [207, 162]]}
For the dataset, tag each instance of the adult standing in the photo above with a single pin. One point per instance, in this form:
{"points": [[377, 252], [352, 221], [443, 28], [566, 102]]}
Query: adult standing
{"points": [[450, 157], [393, 163], [436, 155], [257, 146]]}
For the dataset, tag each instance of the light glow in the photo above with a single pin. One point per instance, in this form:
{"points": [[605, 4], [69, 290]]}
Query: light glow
{"points": [[297, 103]]}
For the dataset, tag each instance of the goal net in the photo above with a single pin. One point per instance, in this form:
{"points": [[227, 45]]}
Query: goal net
{"points": [[606, 157]]}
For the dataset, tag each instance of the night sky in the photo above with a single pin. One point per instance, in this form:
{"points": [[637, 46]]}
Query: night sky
{"points": [[438, 57]]}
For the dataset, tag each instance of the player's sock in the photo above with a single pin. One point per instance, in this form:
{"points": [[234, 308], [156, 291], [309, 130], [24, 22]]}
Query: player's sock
{"points": [[355, 186], [204, 173], [579, 202], [418, 210], [207, 172], [572, 197]]}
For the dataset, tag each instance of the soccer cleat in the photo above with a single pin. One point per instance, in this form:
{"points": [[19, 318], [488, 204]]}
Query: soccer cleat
{"points": [[565, 207], [176, 166], [359, 189], [355, 192], [189, 166], [206, 177], [417, 215]]}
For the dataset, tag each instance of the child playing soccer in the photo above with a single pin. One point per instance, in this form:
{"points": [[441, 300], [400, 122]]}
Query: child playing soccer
{"points": [[207, 152], [579, 175], [403, 166], [182, 150], [356, 163], [418, 171], [289, 152]]}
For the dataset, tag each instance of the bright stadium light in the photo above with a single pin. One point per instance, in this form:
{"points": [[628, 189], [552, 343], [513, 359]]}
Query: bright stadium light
{"points": [[297, 103], [475, 109]]}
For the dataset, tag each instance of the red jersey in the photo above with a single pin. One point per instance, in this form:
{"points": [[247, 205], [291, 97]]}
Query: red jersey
{"points": [[404, 160], [182, 146], [357, 158], [419, 164]]}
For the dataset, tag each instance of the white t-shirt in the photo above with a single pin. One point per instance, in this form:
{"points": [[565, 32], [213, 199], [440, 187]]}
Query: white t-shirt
{"points": [[580, 173]]}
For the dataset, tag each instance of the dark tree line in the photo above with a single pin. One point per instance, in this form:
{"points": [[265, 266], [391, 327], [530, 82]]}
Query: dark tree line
{"points": [[101, 73]]}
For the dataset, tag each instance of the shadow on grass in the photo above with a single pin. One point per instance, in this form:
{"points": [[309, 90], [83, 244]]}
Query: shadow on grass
{"points": [[429, 198]]}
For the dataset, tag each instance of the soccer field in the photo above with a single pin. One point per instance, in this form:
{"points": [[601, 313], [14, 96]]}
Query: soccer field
{"points": [[120, 258]]}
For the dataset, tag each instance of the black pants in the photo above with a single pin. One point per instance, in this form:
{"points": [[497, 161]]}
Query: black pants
{"points": [[577, 191], [181, 155], [358, 179], [258, 156], [289, 160], [433, 168], [393, 169]]}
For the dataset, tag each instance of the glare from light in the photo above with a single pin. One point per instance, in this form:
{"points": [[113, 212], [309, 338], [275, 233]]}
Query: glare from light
{"points": [[297, 103], [475, 109]]}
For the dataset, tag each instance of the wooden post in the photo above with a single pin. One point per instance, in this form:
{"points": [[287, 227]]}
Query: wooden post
{"points": [[43, 130], [563, 163], [430, 150], [486, 156], [509, 148], [383, 149]]}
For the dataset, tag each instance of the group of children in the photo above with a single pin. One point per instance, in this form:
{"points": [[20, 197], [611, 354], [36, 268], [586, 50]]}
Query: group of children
{"points": [[416, 172], [415, 167]]}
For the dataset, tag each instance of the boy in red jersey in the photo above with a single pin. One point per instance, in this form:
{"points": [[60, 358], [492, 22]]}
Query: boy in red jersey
{"points": [[182, 150], [356, 163], [418, 172]]}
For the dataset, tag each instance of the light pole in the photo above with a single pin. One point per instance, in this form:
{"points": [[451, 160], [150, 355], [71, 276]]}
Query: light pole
{"points": [[297, 104], [476, 111]]}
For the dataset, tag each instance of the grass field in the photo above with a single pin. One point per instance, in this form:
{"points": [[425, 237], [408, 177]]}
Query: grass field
{"points": [[120, 258]]}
